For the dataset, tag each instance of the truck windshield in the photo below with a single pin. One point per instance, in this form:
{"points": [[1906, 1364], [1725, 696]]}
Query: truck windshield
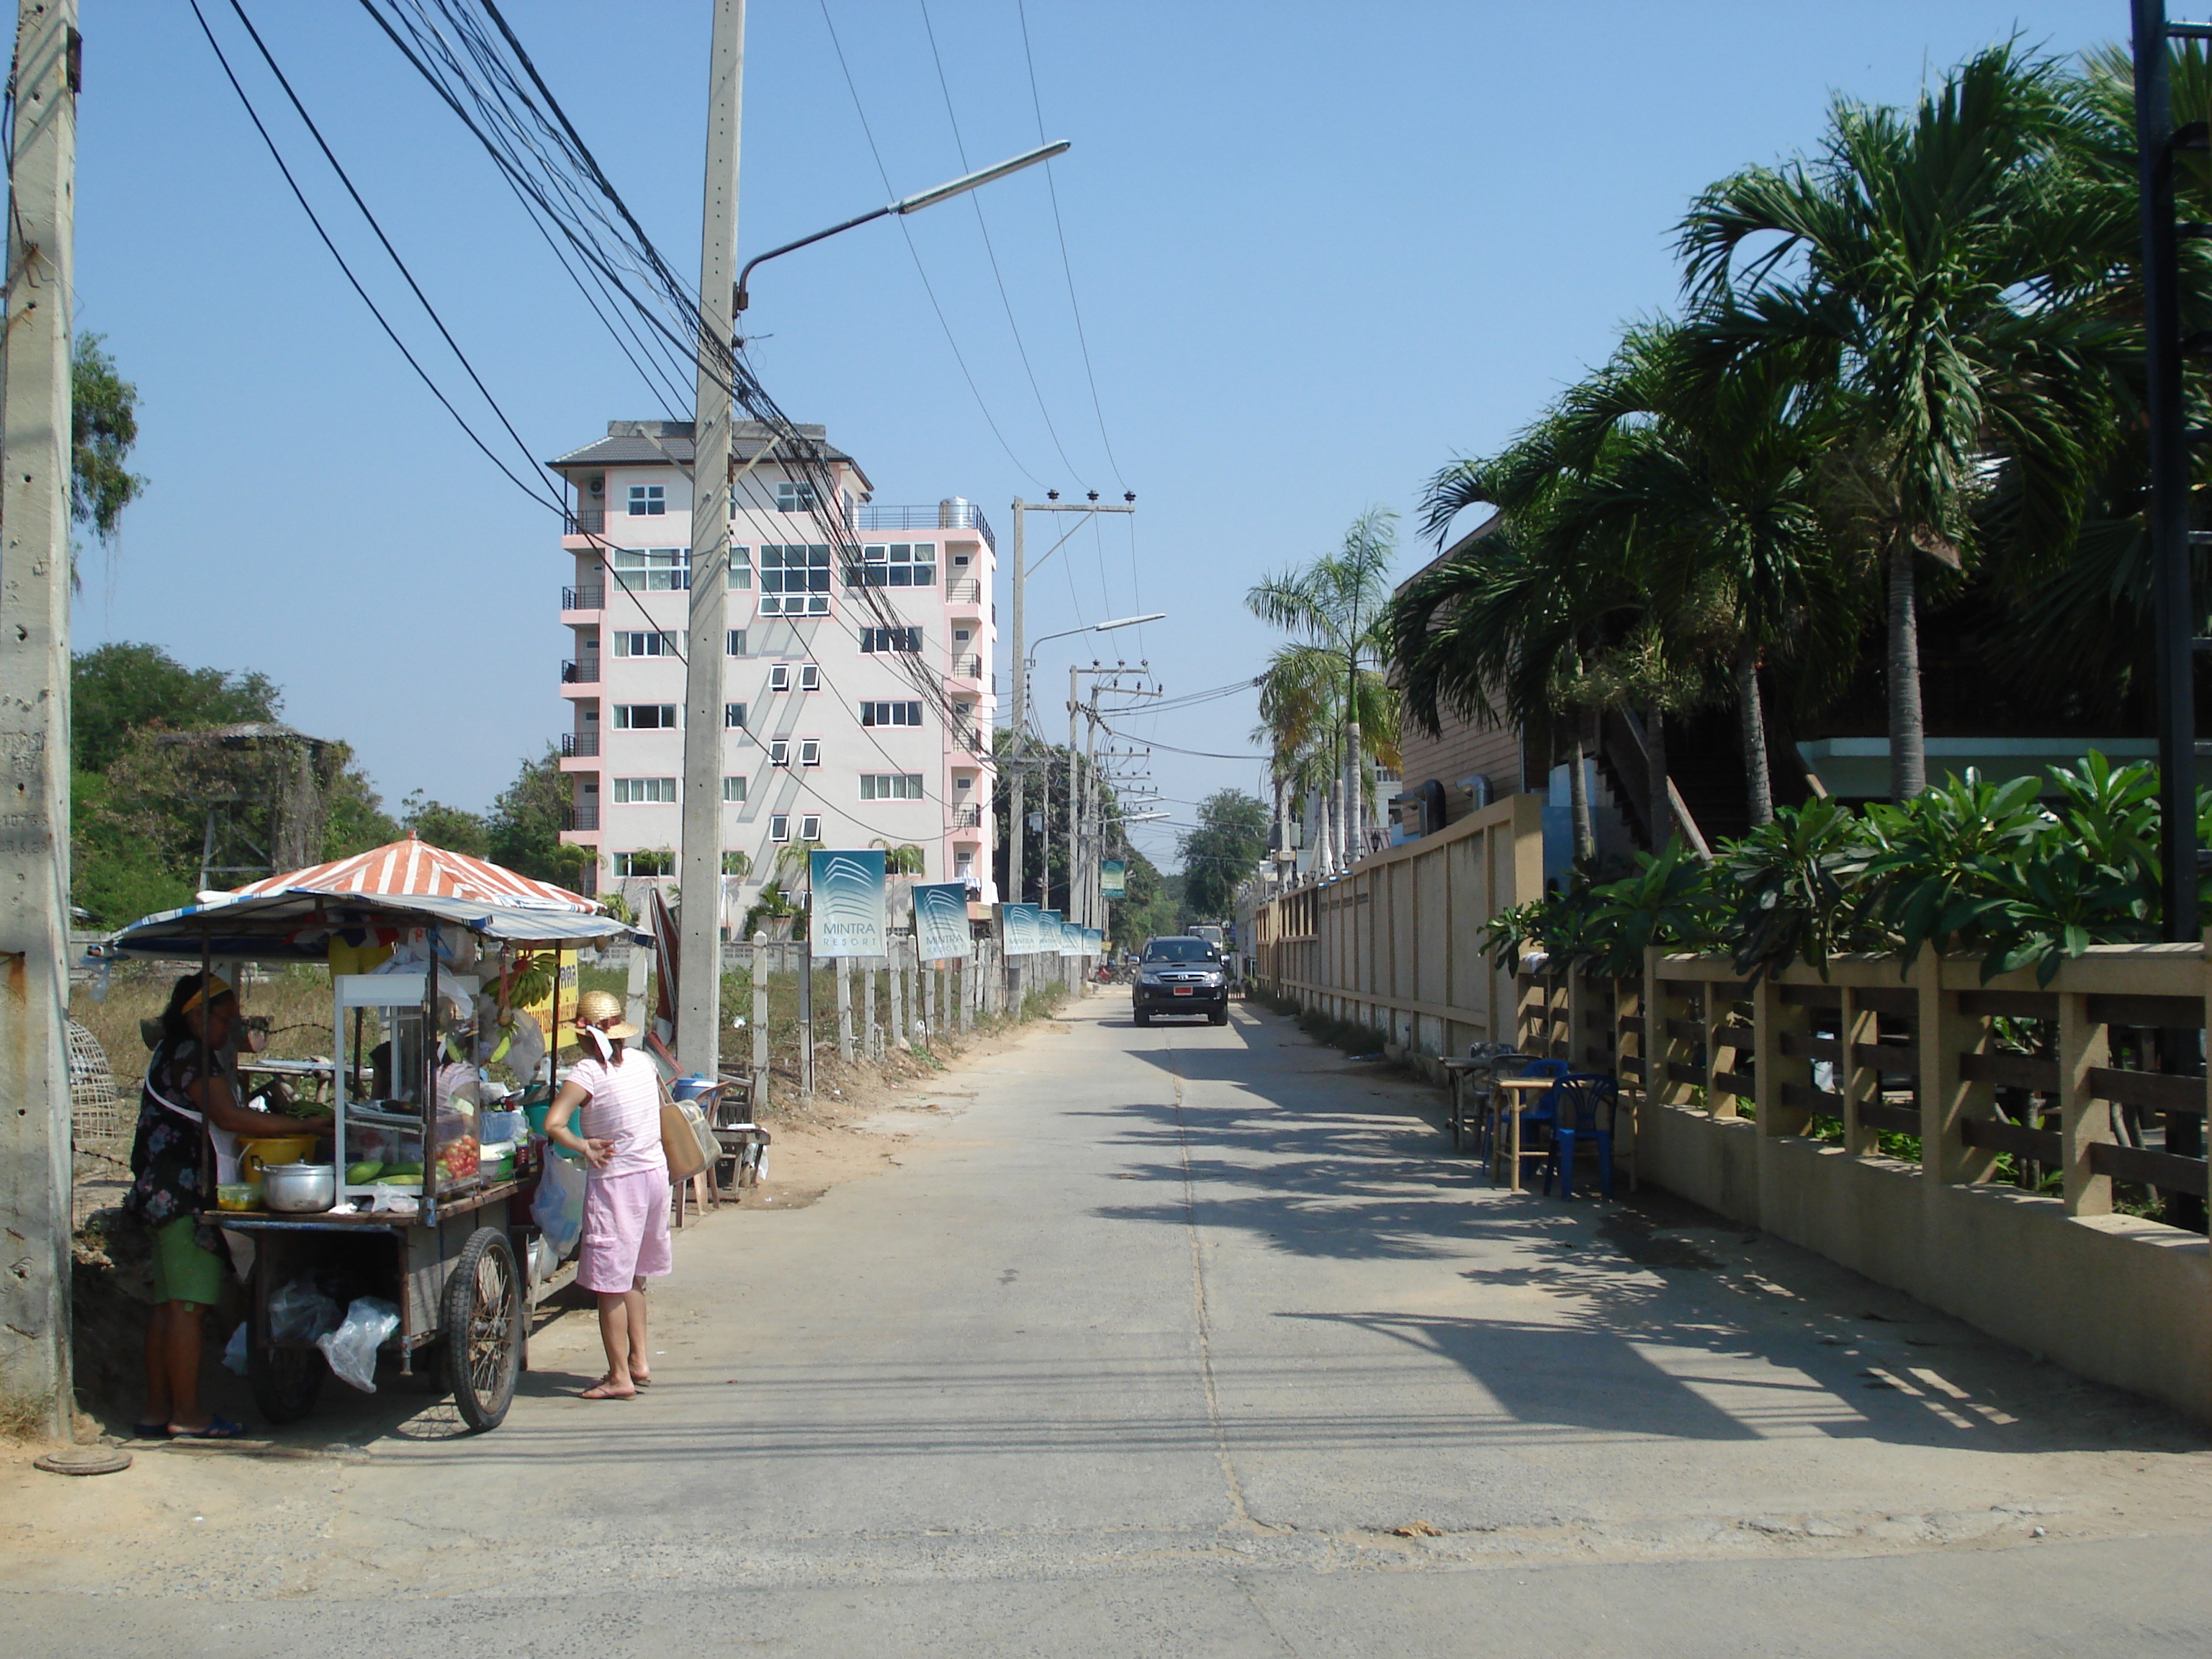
{"points": [[1178, 950]]}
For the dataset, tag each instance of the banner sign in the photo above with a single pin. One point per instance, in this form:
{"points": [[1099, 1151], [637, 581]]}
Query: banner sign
{"points": [[847, 909], [1094, 941], [940, 920], [1113, 878], [1018, 929], [1051, 932], [1071, 939]]}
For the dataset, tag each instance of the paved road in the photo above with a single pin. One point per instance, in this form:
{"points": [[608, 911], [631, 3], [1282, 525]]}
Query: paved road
{"points": [[1192, 1342]]}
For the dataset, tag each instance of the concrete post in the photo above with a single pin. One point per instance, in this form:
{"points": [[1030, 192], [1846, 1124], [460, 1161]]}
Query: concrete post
{"points": [[760, 1067], [870, 1033], [1943, 1034], [967, 966], [2083, 1118], [902, 1024], [34, 720], [845, 1009], [699, 945], [641, 965]]}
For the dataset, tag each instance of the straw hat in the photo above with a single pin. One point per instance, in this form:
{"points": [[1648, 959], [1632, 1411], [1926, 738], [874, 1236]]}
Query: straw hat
{"points": [[599, 1008]]}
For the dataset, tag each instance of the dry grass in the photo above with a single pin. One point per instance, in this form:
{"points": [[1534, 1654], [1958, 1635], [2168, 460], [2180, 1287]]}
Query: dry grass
{"points": [[295, 1000], [21, 1418]]}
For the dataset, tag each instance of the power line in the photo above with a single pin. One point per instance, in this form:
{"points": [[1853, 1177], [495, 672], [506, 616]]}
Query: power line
{"points": [[975, 201], [915, 253], [1082, 339]]}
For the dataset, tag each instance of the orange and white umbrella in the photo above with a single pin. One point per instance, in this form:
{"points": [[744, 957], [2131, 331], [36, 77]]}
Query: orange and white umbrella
{"points": [[414, 869]]}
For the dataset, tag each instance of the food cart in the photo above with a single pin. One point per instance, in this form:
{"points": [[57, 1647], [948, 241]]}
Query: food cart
{"points": [[448, 1248]]}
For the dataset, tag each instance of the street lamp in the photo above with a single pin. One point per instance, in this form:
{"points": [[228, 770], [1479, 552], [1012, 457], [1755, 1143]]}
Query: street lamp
{"points": [[1096, 628], [903, 205]]}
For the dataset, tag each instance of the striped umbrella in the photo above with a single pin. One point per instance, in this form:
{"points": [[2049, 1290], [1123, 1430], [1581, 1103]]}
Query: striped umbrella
{"points": [[415, 868]]}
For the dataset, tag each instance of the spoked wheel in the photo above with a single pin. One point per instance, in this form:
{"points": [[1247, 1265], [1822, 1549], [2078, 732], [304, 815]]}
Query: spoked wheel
{"points": [[285, 1381], [482, 1322]]}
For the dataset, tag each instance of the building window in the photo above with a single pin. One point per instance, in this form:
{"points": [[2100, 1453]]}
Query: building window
{"points": [[733, 789], [635, 642], [875, 639], [647, 501], [810, 827], [736, 864], [645, 792], [733, 716], [809, 752], [890, 713], [792, 495], [890, 785], [646, 716], [741, 569], [779, 677], [778, 751], [795, 581], [661, 863], [778, 826], [652, 570], [810, 677], [733, 644], [893, 564]]}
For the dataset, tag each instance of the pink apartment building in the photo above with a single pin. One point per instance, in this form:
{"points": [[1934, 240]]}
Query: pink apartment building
{"points": [[858, 682]]}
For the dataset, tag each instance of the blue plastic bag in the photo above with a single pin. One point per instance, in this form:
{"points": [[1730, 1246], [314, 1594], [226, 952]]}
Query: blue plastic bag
{"points": [[558, 1209]]}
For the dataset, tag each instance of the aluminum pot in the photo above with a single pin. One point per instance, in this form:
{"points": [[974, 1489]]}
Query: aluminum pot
{"points": [[299, 1188]]}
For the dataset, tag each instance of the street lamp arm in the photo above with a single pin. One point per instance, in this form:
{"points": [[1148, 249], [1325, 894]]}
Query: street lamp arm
{"points": [[905, 204]]}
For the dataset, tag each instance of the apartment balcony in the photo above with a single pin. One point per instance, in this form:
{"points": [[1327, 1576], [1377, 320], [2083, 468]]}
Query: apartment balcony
{"points": [[967, 668], [966, 592], [593, 598], [585, 819], [976, 742], [580, 670], [577, 746], [967, 818], [587, 521], [943, 515]]}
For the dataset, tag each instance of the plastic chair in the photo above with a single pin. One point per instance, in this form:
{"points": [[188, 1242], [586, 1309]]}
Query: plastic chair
{"points": [[1543, 1113], [1584, 1106]]}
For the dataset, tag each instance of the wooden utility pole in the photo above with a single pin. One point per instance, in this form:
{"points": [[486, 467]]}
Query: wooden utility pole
{"points": [[699, 955], [34, 721]]}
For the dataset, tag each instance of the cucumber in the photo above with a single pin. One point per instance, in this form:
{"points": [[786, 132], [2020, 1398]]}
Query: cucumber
{"points": [[402, 1172]]}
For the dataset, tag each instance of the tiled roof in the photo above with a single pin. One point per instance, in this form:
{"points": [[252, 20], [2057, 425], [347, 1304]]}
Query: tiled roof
{"points": [[669, 443]]}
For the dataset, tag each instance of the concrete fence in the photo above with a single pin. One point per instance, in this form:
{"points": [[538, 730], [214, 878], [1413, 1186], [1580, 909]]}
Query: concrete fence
{"points": [[1863, 1115], [1397, 944]]}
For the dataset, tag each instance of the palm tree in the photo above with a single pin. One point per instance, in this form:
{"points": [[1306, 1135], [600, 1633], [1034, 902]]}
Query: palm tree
{"points": [[904, 860], [1904, 271], [1337, 604]]}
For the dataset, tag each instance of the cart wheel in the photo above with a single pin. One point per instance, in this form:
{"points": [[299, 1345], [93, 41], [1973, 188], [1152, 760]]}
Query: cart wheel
{"points": [[284, 1381], [482, 1324]]}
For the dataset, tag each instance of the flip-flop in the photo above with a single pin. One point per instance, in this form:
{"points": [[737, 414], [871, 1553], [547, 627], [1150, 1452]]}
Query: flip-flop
{"points": [[150, 1431], [597, 1391], [637, 1382], [219, 1428]]}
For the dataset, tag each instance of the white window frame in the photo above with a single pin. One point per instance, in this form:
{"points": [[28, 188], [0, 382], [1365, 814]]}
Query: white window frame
{"points": [[649, 500], [779, 827], [733, 717], [734, 642], [793, 495], [778, 751], [739, 576], [658, 642], [809, 598], [645, 792], [733, 789], [671, 713], [809, 752], [810, 677], [891, 785], [898, 712], [809, 826], [779, 677], [650, 569]]}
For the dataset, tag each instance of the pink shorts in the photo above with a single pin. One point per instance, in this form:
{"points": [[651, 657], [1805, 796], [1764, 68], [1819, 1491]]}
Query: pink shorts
{"points": [[625, 1230]]}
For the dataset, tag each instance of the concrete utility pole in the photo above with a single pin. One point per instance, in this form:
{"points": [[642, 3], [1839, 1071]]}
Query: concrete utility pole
{"points": [[1017, 713], [34, 721], [699, 955]]}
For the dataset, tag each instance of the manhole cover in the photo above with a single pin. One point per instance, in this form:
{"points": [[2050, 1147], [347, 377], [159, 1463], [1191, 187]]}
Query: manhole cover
{"points": [[83, 1459]]}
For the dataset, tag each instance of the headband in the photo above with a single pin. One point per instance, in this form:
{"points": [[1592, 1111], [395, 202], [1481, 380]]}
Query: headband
{"points": [[213, 982]]}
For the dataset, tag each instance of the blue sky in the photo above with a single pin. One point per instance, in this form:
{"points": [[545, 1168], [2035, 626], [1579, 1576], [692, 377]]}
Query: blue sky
{"points": [[1319, 250]]}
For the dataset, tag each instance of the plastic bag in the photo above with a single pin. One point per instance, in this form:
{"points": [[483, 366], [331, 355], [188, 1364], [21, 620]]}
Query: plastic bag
{"points": [[234, 1355], [351, 1348], [301, 1313], [558, 1209]]}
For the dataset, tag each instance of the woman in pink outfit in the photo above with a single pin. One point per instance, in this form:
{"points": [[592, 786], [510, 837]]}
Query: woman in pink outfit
{"points": [[614, 1094]]}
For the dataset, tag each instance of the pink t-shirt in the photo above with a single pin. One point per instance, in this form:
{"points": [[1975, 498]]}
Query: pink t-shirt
{"points": [[623, 1105]]}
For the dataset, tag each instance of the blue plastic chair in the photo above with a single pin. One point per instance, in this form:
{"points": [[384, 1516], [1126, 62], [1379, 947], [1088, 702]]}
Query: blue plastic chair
{"points": [[1584, 1106], [1543, 1113]]}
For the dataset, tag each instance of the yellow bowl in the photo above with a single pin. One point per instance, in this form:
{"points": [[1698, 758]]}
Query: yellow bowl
{"points": [[255, 1156], [238, 1196]]}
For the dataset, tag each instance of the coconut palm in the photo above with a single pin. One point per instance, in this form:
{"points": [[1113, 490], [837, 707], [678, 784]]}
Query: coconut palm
{"points": [[1337, 605], [1904, 269]]}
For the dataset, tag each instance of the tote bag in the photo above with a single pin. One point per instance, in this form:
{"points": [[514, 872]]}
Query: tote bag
{"points": [[685, 1140]]}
